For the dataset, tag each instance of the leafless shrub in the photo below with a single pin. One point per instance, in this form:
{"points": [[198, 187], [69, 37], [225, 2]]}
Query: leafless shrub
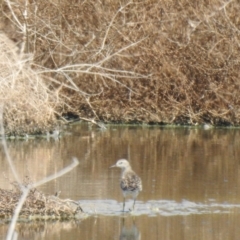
{"points": [[134, 61]]}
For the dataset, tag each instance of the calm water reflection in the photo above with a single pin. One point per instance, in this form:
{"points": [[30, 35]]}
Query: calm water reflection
{"points": [[191, 182]]}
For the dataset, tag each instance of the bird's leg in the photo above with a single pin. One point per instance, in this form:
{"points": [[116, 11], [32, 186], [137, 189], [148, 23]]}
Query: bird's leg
{"points": [[123, 203], [134, 203]]}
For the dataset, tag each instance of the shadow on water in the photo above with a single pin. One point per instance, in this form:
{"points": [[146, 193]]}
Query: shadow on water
{"points": [[191, 182]]}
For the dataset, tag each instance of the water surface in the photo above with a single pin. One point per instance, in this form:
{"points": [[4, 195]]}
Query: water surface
{"points": [[191, 182]]}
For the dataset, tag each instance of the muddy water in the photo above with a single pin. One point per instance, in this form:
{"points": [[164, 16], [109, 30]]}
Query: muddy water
{"points": [[191, 182]]}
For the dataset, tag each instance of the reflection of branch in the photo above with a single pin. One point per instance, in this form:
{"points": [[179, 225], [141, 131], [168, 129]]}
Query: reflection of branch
{"points": [[25, 189]]}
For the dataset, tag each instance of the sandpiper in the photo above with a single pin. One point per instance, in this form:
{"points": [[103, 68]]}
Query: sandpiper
{"points": [[130, 182]]}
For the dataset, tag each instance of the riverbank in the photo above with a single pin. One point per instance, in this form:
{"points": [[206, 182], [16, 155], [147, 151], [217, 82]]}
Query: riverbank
{"points": [[154, 62]]}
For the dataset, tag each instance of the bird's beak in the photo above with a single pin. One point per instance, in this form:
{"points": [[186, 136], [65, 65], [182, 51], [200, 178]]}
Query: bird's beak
{"points": [[113, 166]]}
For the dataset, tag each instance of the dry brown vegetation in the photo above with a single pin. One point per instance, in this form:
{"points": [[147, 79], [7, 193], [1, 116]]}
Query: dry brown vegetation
{"points": [[27, 103], [134, 61], [37, 205]]}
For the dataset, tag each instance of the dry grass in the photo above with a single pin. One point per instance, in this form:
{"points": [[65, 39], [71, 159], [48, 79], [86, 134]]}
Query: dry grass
{"points": [[28, 104], [37, 205], [133, 61]]}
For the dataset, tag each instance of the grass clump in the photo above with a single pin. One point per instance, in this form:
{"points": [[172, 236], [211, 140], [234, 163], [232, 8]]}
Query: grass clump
{"points": [[28, 104], [37, 205]]}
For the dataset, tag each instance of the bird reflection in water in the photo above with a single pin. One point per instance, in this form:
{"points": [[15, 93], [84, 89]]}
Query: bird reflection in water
{"points": [[129, 232]]}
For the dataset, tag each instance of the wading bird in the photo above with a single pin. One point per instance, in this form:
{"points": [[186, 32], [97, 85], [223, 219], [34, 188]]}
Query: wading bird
{"points": [[130, 182]]}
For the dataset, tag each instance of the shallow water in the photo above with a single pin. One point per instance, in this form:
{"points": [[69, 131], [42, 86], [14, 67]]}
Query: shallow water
{"points": [[191, 182]]}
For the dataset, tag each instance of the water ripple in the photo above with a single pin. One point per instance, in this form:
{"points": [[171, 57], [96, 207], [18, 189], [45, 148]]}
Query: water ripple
{"points": [[156, 207]]}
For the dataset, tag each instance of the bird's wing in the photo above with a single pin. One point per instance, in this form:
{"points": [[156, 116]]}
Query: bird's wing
{"points": [[131, 182]]}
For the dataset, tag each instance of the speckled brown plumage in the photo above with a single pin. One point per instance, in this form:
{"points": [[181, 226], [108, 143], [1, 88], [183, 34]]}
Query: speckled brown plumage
{"points": [[130, 182]]}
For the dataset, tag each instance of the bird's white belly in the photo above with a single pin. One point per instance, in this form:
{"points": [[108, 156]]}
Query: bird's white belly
{"points": [[132, 194]]}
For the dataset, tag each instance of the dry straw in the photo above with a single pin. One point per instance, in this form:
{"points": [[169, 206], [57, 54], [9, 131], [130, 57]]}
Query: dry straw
{"points": [[28, 103]]}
